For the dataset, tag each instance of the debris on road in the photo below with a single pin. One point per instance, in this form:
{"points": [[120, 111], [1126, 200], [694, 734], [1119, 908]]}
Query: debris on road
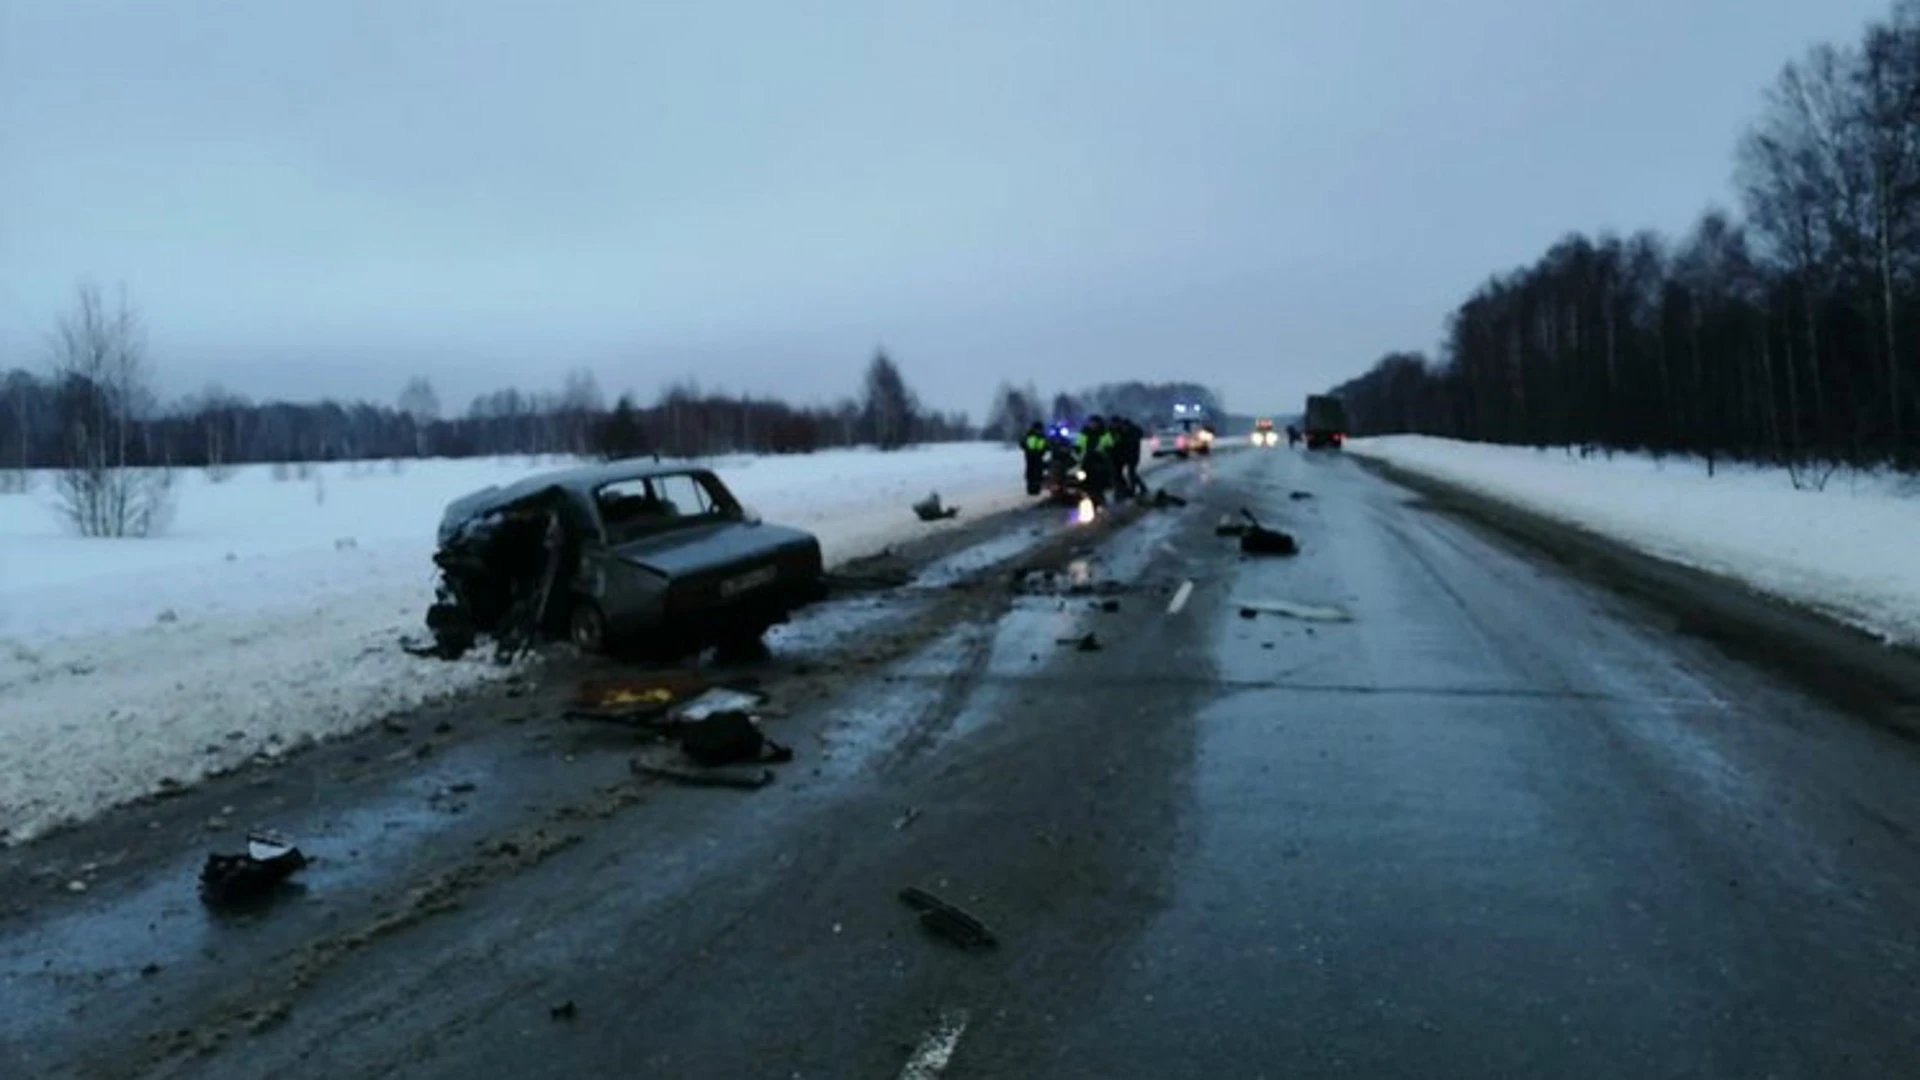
{"points": [[912, 815], [76, 886], [1260, 540], [1230, 526], [1309, 612], [718, 700], [948, 921], [729, 738], [1164, 499], [929, 509], [566, 1010], [636, 698], [270, 859], [1084, 643], [1110, 606], [1249, 613], [720, 777], [1298, 495]]}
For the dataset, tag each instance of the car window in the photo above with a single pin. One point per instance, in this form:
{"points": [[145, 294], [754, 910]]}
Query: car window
{"points": [[630, 508]]}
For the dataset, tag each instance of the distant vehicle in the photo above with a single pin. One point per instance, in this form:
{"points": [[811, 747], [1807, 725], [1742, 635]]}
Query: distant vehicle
{"points": [[1263, 433], [1326, 422], [616, 556], [1190, 432]]}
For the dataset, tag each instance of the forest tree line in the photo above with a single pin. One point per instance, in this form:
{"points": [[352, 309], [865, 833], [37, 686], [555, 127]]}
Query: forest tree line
{"points": [[50, 419], [1789, 332]]}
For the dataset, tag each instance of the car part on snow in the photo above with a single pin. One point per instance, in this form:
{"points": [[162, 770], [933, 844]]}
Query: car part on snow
{"points": [[235, 880], [1298, 495], [952, 923], [929, 509]]}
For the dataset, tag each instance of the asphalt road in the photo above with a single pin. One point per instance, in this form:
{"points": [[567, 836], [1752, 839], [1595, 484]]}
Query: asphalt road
{"points": [[1468, 817]]}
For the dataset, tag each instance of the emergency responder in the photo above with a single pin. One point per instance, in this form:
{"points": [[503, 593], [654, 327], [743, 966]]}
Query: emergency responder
{"points": [[1293, 436], [1127, 466], [1034, 446], [1095, 445]]}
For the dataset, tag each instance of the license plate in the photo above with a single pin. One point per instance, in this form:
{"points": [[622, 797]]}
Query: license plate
{"points": [[746, 582]]}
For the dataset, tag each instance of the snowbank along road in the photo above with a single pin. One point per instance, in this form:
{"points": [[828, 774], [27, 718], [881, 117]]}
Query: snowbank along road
{"points": [[1410, 803], [269, 616]]}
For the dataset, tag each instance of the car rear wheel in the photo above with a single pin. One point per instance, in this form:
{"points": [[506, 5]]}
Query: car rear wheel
{"points": [[587, 628]]}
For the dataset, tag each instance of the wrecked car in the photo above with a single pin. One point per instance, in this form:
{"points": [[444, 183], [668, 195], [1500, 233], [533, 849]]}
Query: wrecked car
{"points": [[617, 557]]}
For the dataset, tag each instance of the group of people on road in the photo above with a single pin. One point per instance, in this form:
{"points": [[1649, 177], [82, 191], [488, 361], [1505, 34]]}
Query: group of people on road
{"points": [[1108, 453]]}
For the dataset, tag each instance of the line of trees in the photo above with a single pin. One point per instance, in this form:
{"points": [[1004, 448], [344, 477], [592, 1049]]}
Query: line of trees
{"points": [[1789, 333], [108, 415]]}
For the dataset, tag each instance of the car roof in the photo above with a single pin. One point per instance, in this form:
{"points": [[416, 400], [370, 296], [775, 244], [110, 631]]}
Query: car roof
{"points": [[580, 480]]}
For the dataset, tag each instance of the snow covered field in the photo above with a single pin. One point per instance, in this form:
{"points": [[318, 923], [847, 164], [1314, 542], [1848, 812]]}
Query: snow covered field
{"points": [[1851, 551], [268, 615]]}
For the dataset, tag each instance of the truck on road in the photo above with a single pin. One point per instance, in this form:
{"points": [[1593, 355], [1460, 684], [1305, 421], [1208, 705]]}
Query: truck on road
{"points": [[1326, 422]]}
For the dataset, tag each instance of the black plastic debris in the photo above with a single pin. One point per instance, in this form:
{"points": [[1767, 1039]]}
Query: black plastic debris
{"points": [[566, 1010], [1164, 500], [729, 738], [234, 880], [1084, 643], [1230, 526], [947, 921], [929, 509], [1298, 495], [1260, 540]]}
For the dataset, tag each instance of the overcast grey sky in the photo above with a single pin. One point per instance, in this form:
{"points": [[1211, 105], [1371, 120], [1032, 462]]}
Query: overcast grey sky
{"points": [[322, 198]]}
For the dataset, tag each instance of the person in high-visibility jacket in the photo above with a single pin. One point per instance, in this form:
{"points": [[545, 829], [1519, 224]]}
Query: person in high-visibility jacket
{"points": [[1095, 446], [1034, 446]]}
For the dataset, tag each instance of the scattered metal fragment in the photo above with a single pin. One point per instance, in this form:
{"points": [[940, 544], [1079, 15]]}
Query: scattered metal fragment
{"points": [[954, 924], [270, 859]]}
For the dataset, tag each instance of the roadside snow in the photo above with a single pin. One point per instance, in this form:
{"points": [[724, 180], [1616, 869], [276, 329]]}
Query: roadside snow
{"points": [[1851, 552], [269, 615]]}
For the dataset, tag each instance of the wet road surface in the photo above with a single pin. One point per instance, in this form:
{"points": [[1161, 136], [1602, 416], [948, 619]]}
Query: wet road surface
{"points": [[1432, 810]]}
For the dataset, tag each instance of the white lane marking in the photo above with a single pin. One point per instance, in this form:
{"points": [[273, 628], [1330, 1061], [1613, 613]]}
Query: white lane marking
{"points": [[1180, 598], [936, 1048]]}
